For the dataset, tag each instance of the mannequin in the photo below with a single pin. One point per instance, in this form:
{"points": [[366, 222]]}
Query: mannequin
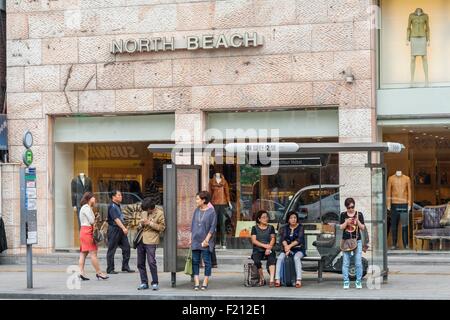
{"points": [[399, 204], [79, 185], [418, 34], [220, 198]]}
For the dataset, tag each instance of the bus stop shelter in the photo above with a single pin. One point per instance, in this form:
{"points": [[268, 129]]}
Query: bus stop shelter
{"points": [[183, 181]]}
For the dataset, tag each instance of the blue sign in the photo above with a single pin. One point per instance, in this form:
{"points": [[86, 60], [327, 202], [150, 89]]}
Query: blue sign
{"points": [[3, 132]]}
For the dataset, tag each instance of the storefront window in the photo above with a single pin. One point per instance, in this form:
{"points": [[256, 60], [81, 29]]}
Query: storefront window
{"points": [[311, 191], [427, 164], [414, 43], [101, 168]]}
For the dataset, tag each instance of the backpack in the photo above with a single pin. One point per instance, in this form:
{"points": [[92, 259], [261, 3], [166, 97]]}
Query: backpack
{"points": [[251, 275], [288, 275]]}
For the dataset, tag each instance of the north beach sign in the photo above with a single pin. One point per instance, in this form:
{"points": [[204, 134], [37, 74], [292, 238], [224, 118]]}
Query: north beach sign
{"points": [[155, 44]]}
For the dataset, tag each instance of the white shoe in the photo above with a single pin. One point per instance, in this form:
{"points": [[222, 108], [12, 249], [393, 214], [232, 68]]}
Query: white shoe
{"points": [[346, 285]]}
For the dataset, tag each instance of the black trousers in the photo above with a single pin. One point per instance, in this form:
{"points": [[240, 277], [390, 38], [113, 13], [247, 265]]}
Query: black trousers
{"points": [[258, 256], [221, 223], [116, 238], [399, 213], [147, 251]]}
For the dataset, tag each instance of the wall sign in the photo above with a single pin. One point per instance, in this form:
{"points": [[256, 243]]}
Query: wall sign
{"points": [[155, 44]]}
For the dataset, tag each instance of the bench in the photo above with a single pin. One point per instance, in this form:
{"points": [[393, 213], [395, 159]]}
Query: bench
{"points": [[320, 263]]}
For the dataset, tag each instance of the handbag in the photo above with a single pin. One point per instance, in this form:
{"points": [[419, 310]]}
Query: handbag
{"points": [[99, 235], [188, 266], [137, 237], [352, 243]]}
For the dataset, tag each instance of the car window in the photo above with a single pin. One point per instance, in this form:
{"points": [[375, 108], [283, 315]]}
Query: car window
{"points": [[129, 198], [308, 197]]}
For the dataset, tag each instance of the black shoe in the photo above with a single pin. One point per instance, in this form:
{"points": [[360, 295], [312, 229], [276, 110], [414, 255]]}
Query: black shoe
{"points": [[83, 278], [128, 270], [101, 277], [112, 272]]}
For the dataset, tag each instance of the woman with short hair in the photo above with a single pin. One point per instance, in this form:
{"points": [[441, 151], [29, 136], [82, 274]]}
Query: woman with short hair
{"points": [[292, 239], [352, 222], [263, 240]]}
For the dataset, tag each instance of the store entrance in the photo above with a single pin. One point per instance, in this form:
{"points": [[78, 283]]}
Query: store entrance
{"points": [[101, 168], [427, 164]]}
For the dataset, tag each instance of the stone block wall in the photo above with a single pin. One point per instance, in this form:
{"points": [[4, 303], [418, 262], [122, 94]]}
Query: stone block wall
{"points": [[59, 63]]}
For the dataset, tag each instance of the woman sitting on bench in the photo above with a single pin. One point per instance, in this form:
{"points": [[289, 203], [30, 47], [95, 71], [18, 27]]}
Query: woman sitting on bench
{"points": [[292, 238], [263, 240]]}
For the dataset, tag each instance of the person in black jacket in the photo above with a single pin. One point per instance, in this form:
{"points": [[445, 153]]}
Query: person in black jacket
{"points": [[293, 243], [3, 242]]}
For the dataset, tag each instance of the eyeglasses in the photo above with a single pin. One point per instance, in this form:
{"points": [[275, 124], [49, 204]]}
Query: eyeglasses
{"points": [[351, 207]]}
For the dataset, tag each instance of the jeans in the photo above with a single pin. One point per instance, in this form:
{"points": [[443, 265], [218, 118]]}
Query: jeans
{"points": [[147, 251], [298, 265], [197, 255], [358, 262], [399, 213]]}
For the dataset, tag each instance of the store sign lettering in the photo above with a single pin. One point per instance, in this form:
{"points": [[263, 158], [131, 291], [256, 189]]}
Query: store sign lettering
{"points": [[155, 44], [107, 152]]}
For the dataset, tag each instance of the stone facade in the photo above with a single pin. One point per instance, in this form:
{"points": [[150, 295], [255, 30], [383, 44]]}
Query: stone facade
{"points": [[2, 58], [59, 63]]}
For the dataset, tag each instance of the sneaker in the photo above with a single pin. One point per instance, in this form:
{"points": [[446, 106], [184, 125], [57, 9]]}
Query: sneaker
{"points": [[155, 287], [358, 284], [143, 286], [224, 247], [393, 248], [346, 284]]}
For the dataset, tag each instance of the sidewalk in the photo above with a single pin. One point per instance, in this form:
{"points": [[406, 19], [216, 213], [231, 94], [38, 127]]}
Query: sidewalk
{"points": [[50, 282]]}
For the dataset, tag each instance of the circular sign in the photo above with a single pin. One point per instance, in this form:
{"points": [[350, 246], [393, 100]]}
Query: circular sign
{"points": [[28, 157], [28, 140]]}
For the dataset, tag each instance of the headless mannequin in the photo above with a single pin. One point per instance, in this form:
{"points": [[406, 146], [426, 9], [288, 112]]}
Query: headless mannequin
{"points": [[220, 198], [418, 27], [399, 203], [79, 185], [83, 180]]}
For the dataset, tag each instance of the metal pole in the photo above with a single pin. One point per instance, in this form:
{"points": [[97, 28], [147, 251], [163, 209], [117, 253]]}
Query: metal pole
{"points": [[29, 266], [174, 279]]}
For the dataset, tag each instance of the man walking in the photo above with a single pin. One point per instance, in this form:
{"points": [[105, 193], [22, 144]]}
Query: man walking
{"points": [[117, 234]]}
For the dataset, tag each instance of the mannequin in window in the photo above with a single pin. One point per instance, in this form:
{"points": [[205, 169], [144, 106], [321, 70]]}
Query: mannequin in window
{"points": [[399, 204], [220, 198], [418, 34], [79, 185]]}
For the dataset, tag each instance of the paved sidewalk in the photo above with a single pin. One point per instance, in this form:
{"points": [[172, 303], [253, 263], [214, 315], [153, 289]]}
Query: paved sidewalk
{"points": [[50, 282]]}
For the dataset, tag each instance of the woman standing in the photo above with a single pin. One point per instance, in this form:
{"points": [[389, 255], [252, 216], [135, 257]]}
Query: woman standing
{"points": [[293, 243], [263, 239], [87, 244], [352, 222], [203, 228]]}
